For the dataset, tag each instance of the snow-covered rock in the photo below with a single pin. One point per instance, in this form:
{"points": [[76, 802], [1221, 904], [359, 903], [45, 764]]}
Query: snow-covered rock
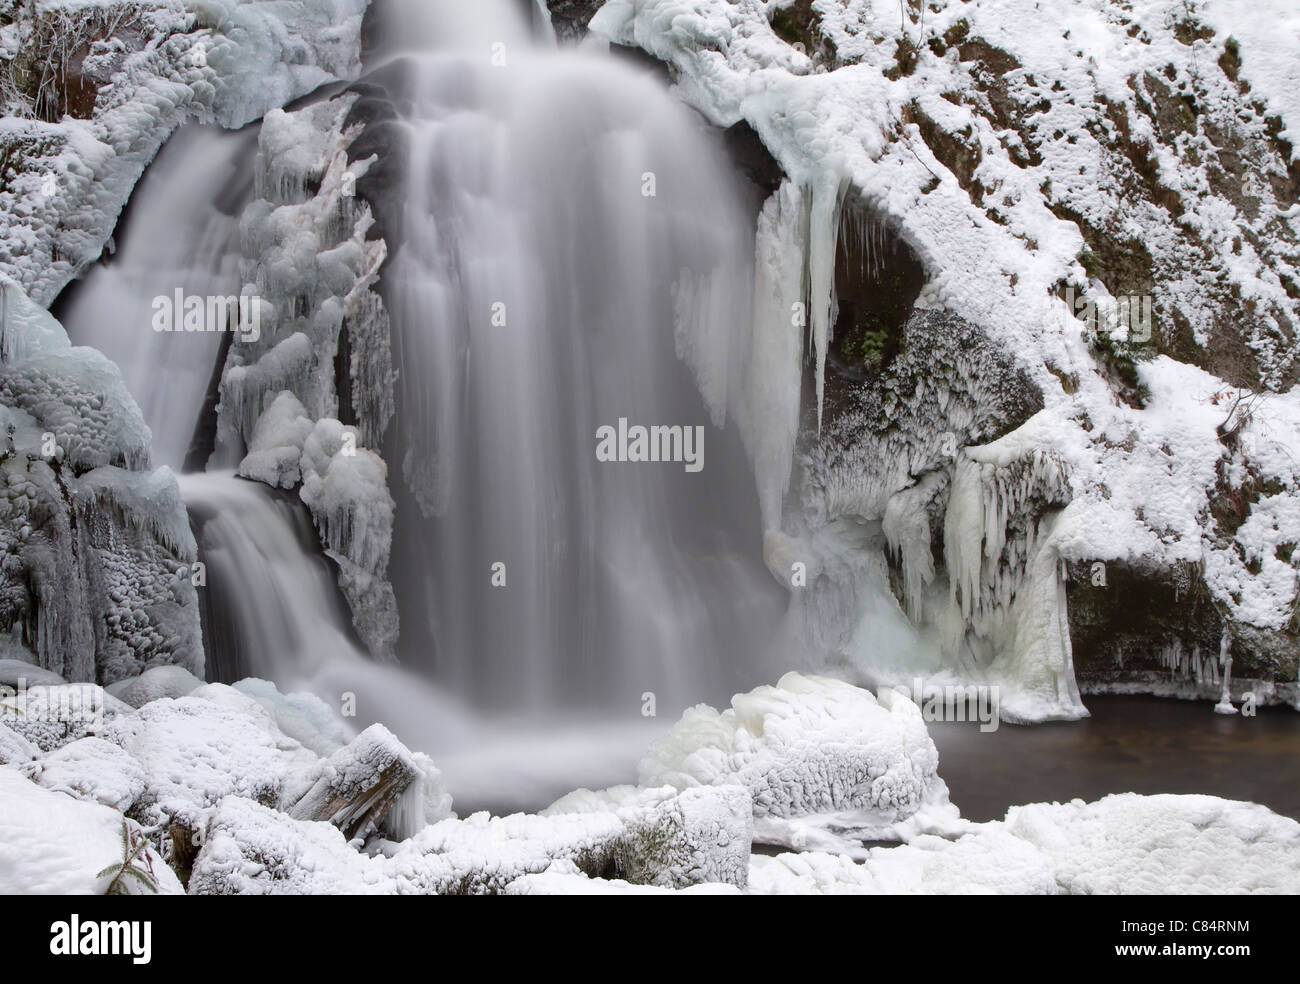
{"points": [[14, 671], [818, 756], [674, 839], [1108, 202], [14, 748], [97, 549], [1122, 844], [94, 89], [95, 770], [53, 715], [53, 844], [161, 681]]}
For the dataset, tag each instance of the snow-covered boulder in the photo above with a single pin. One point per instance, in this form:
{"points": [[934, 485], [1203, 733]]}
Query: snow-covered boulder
{"points": [[195, 752], [161, 681], [1123, 844], [813, 753], [16, 671], [14, 748], [674, 839], [95, 770], [52, 716], [52, 844]]}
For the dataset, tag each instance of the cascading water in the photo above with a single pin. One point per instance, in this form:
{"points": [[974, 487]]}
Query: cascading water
{"points": [[566, 225], [181, 232], [567, 239]]}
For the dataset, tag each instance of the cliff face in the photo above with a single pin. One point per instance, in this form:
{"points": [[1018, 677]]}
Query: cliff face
{"points": [[96, 575], [1107, 197]]}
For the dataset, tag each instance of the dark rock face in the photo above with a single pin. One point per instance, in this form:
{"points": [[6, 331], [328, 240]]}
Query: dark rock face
{"points": [[1144, 629], [944, 385], [571, 17]]}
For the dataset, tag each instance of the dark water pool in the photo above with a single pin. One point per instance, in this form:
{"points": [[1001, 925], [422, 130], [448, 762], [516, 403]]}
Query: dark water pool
{"points": [[1130, 744]]}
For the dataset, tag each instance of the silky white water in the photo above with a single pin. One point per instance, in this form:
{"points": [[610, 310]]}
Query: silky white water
{"points": [[569, 230], [570, 238], [181, 232]]}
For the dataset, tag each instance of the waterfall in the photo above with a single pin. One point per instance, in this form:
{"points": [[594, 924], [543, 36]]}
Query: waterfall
{"points": [[181, 231], [569, 235], [567, 253]]}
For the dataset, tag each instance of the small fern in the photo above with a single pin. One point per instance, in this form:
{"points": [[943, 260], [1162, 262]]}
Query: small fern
{"points": [[136, 869]]}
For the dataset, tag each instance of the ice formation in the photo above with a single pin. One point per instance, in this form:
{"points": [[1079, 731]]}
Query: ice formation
{"points": [[312, 267], [951, 133], [815, 754], [148, 65], [99, 586]]}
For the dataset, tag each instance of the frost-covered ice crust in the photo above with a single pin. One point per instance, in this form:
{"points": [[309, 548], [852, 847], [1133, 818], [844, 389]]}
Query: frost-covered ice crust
{"points": [[134, 70], [96, 583], [825, 763], [1111, 149], [307, 250]]}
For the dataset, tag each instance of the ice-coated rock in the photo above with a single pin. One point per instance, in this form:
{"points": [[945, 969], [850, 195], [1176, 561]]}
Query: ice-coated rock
{"points": [[809, 749], [51, 843]]}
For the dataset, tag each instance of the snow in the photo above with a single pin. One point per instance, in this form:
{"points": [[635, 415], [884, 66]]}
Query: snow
{"points": [[252, 849], [95, 770], [52, 844], [216, 763], [229, 61], [814, 753], [1137, 481], [1122, 844], [161, 681]]}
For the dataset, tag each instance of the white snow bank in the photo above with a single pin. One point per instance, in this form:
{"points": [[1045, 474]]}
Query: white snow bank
{"points": [[53, 844], [153, 684], [1122, 844]]}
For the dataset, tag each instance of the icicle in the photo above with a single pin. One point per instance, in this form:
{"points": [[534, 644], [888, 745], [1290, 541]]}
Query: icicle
{"points": [[823, 231], [1224, 706]]}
